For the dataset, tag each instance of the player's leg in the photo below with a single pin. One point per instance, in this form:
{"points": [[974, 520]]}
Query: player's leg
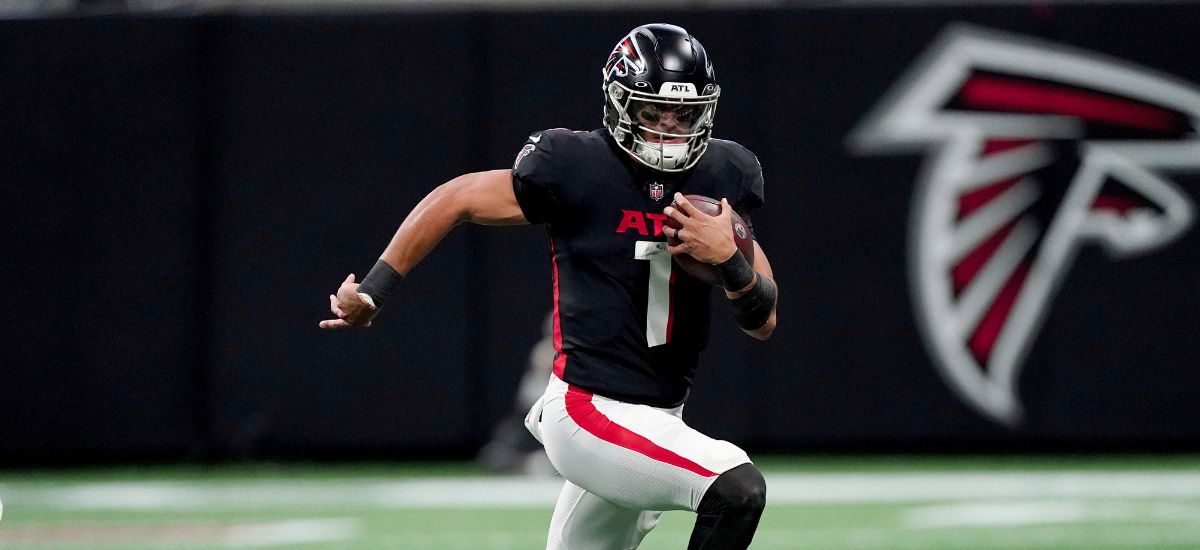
{"points": [[728, 515], [646, 458], [584, 521]]}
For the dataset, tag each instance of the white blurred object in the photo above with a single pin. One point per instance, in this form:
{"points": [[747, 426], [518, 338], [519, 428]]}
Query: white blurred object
{"points": [[34, 8], [16, 9], [159, 5], [510, 449]]}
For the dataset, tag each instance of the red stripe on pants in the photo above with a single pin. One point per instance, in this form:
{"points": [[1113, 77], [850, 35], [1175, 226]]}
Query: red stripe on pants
{"points": [[584, 413]]}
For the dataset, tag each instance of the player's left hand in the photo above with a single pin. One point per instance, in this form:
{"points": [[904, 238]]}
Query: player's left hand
{"points": [[349, 307], [706, 238]]}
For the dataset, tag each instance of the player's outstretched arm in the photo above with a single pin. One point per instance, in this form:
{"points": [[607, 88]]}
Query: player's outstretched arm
{"points": [[482, 197]]}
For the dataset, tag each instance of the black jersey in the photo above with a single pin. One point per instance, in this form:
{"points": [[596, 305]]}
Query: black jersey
{"points": [[629, 324]]}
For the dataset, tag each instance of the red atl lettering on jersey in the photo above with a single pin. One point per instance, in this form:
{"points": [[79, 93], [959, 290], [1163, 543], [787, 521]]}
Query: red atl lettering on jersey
{"points": [[636, 221], [632, 219], [658, 222]]}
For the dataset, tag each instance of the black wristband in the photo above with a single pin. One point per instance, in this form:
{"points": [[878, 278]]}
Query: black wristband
{"points": [[381, 283], [752, 309], [735, 273]]}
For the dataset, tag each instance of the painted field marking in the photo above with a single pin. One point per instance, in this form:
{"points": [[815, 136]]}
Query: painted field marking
{"points": [[520, 492], [1057, 537], [1012, 513], [245, 534]]}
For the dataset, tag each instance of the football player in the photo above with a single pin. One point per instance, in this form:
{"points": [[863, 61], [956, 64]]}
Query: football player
{"points": [[628, 323]]}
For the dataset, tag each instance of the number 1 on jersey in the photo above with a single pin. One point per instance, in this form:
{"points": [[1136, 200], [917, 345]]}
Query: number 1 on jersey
{"points": [[658, 298]]}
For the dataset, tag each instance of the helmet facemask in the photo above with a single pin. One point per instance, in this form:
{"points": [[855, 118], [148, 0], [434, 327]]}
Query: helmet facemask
{"points": [[660, 96], [632, 117]]}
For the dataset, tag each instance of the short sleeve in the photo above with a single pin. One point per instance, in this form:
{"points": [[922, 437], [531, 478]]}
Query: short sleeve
{"points": [[537, 179]]}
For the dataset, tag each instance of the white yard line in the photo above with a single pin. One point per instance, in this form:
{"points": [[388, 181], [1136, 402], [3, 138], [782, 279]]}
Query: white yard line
{"points": [[1057, 537], [293, 531], [515, 492], [1020, 513], [914, 487], [249, 534]]}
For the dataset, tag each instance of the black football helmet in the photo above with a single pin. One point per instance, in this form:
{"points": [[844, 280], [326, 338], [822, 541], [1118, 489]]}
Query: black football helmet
{"points": [[660, 97]]}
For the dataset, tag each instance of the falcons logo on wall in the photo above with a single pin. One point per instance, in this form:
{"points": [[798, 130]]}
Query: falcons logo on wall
{"points": [[1033, 150]]}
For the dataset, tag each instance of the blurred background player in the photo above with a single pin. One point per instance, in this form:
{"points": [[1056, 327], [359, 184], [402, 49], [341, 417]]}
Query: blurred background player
{"points": [[628, 326], [511, 448]]}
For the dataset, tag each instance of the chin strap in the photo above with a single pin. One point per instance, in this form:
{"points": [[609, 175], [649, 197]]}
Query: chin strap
{"points": [[656, 154]]}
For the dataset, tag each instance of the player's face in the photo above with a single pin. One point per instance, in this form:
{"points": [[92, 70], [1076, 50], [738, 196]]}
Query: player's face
{"points": [[671, 119]]}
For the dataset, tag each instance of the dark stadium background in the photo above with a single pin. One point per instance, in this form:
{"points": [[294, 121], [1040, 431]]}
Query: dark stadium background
{"points": [[181, 192]]}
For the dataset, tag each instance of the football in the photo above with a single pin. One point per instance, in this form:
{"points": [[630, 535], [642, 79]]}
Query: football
{"points": [[741, 237]]}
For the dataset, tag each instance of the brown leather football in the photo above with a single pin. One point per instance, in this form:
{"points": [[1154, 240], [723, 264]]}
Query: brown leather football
{"points": [[741, 237]]}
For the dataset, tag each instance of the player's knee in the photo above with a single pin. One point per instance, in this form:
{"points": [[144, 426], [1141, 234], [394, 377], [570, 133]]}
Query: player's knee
{"points": [[752, 494], [741, 489]]}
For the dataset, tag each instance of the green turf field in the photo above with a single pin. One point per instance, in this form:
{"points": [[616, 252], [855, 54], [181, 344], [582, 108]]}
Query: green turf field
{"points": [[821, 503]]}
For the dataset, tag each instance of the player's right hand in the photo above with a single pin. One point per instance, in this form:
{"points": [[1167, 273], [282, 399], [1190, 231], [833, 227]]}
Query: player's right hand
{"points": [[707, 238], [349, 308]]}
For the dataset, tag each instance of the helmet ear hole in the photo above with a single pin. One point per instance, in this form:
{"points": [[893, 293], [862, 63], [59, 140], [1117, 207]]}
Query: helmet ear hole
{"points": [[616, 91]]}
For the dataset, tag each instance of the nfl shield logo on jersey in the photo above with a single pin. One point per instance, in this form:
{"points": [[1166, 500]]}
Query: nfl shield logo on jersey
{"points": [[656, 191]]}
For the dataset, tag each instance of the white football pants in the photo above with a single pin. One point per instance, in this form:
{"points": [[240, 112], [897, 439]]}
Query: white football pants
{"points": [[623, 463]]}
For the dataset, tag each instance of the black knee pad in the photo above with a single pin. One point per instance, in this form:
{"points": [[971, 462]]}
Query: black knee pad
{"points": [[741, 489]]}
